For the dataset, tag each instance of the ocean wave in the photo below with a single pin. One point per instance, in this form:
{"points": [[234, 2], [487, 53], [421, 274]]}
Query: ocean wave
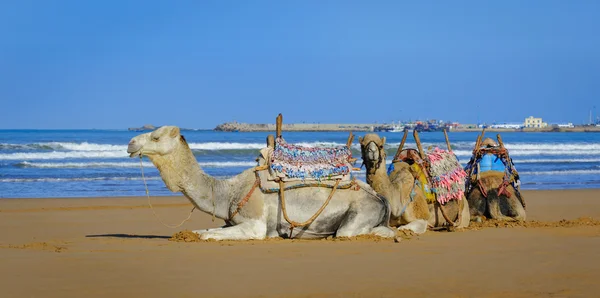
{"points": [[573, 160], [519, 161], [84, 146], [226, 146], [553, 152], [561, 172], [63, 155], [66, 165], [50, 179], [216, 164]]}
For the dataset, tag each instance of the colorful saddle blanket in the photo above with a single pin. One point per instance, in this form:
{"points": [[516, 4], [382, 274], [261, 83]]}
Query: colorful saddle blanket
{"points": [[440, 175], [291, 162], [447, 175]]}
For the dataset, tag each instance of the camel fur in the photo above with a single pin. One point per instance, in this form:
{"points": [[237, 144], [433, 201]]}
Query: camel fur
{"points": [[351, 212], [417, 214]]}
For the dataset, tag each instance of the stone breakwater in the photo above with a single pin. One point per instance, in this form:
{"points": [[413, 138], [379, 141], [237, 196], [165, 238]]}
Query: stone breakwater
{"points": [[235, 126]]}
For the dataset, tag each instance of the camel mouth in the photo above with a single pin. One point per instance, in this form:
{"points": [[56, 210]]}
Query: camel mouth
{"points": [[135, 154], [134, 150]]}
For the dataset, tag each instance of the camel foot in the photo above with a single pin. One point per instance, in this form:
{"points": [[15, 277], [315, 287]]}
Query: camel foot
{"points": [[244, 231], [418, 226], [384, 232], [478, 218]]}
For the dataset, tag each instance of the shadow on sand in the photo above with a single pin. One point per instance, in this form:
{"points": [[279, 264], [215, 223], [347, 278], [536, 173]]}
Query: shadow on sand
{"points": [[128, 236]]}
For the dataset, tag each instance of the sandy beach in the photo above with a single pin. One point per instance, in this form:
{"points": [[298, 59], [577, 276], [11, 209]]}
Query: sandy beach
{"points": [[114, 247]]}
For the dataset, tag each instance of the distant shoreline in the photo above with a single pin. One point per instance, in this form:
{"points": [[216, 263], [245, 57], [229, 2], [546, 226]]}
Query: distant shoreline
{"points": [[317, 127]]}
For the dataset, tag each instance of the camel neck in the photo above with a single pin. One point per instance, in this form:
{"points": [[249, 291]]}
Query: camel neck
{"points": [[180, 172], [378, 179]]}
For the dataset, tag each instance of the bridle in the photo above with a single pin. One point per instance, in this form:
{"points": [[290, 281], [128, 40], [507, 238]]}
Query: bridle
{"points": [[363, 151]]}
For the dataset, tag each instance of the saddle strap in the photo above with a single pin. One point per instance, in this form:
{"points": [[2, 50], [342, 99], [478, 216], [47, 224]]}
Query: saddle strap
{"points": [[294, 224], [245, 199]]}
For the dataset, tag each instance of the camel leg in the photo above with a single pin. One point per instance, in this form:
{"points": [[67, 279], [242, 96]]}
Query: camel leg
{"points": [[517, 210], [253, 229], [212, 229], [478, 204], [418, 226], [494, 209], [362, 224], [465, 214]]}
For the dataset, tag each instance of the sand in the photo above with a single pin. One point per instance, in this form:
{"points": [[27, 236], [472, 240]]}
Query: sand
{"points": [[114, 247]]}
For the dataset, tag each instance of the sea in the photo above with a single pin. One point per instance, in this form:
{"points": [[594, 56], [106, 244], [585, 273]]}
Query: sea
{"points": [[95, 163]]}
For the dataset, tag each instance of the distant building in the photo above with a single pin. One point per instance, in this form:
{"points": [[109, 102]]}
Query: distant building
{"points": [[508, 125], [564, 125], [535, 122]]}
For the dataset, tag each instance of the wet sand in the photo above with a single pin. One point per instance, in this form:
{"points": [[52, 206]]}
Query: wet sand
{"points": [[114, 247]]}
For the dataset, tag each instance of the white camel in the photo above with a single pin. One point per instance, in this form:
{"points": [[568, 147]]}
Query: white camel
{"points": [[350, 212]]}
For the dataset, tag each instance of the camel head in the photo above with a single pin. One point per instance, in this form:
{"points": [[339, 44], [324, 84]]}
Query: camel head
{"points": [[372, 150], [488, 143], [169, 152], [162, 141]]}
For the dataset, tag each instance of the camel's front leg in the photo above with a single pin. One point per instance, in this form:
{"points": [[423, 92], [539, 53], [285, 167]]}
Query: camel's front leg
{"points": [[253, 229], [210, 230]]}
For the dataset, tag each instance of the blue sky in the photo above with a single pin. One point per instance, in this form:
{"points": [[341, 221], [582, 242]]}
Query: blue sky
{"points": [[195, 64]]}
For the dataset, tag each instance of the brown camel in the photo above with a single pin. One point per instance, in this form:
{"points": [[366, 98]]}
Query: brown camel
{"points": [[410, 209]]}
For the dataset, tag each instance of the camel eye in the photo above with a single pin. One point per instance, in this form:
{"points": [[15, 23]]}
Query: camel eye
{"points": [[155, 138]]}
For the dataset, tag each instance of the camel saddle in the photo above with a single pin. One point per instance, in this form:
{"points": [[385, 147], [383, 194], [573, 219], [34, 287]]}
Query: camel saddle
{"points": [[289, 162], [418, 170]]}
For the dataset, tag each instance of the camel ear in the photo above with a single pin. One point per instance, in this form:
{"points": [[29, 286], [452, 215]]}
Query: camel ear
{"points": [[360, 139], [382, 141], [174, 132]]}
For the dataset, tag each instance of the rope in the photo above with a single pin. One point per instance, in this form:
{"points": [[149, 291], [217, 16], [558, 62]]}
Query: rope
{"points": [[294, 224], [245, 199], [445, 215], [152, 208]]}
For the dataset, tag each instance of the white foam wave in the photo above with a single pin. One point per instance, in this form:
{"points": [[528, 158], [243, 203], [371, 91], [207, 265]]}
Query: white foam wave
{"points": [[42, 165], [85, 146], [88, 146], [255, 146], [573, 160], [63, 155], [510, 146], [217, 164], [17, 180], [225, 164], [564, 172], [552, 147], [518, 161], [225, 146], [554, 152]]}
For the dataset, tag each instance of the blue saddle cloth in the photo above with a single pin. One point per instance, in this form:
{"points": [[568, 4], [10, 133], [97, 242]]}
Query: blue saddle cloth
{"points": [[491, 162]]}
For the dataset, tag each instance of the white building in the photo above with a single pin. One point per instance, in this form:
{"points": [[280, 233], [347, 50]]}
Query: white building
{"points": [[535, 122], [508, 125], [565, 125]]}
